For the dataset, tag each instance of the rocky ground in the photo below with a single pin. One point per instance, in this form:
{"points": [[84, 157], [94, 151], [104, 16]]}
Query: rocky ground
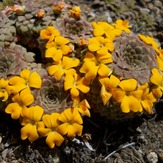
{"points": [[139, 140]]}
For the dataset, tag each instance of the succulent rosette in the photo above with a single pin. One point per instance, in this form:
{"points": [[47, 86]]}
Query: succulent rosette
{"points": [[13, 59], [51, 96], [8, 31]]}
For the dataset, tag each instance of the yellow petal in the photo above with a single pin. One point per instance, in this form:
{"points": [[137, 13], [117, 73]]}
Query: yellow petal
{"points": [[52, 69], [63, 128], [74, 92], [68, 62], [53, 53], [78, 128], [65, 49], [60, 40], [98, 31], [69, 82], [156, 77], [43, 131], [18, 83], [130, 103], [103, 70], [25, 74], [157, 92], [147, 105], [35, 80], [71, 132], [26, 97], [14, 109], [29, 131], [36, 113], [54, 119], [77, 117], [3, 83], [105, 95], [54, 138], [137, 94], [128, 85], [118, 95]]}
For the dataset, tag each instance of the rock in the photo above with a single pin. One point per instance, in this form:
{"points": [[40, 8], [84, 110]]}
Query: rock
{"points": [[152, 157]]}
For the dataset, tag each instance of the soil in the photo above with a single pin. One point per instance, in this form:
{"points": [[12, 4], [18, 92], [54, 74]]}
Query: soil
{"points": [[136, 140]]}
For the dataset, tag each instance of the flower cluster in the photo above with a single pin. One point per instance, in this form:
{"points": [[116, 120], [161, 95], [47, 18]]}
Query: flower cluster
{"points": [[112, 70]]}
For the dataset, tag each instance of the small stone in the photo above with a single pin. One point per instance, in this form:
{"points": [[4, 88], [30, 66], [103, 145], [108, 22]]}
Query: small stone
{"points": [[152, 157]]}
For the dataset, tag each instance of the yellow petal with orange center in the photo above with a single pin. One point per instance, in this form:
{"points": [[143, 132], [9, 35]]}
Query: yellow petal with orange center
{"points": [[128, 85]]}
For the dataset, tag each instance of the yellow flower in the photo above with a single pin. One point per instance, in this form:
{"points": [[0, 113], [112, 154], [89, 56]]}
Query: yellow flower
{"points": [[75, 83], [94, 65], [71, 123], [50, 130], [26, 79], [62, 67], [105, 29], [101, 28], [75, 12], [20, 101], [108, 86], [150, 41], [82, 106], [157, 80], [58, 48], [122, 25], [147, 98], [31, 117], [4, 89], [128, 96], [100, 45], [50, 33]]}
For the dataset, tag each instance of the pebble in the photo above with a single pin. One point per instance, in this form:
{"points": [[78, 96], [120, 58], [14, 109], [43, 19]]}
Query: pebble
{"points": [[152, 157]]}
